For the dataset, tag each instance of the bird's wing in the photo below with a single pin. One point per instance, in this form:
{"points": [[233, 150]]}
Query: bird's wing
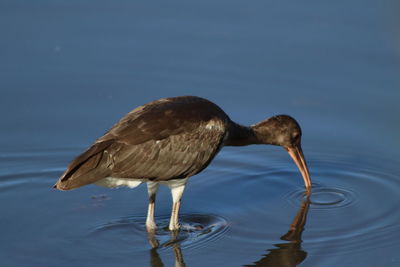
{"points": [[161, 140], [176, 156], [82, 165], [161, 119], [167, 140]]}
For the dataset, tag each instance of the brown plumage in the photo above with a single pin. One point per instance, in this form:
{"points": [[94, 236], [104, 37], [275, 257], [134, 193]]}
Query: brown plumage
{"points": [[171, 139], [163, 140]]}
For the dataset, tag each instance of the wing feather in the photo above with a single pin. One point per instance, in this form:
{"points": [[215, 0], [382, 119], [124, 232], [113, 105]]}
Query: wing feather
{"points": [[165, 139], [177, 156], [82, 165]]}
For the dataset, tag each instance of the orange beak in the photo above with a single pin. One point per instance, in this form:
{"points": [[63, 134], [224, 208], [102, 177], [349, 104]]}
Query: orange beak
{"points": [[297, 155]]}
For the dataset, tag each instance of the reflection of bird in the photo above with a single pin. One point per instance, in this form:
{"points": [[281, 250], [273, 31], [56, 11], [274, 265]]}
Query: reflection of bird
{"points": [[169, 140], [155, 259], [288, 254]]}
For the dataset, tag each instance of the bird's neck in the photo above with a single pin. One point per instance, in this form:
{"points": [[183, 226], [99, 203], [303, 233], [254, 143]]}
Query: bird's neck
{"points": [[239, 135]]}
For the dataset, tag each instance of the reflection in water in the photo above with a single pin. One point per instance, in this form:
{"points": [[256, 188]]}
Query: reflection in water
{"points": [[288, 254], [155, 260]]}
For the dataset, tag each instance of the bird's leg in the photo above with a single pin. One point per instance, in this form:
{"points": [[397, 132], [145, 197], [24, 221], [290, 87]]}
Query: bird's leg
{"points": [[150, 223], [152, 188], [174, 222], [177, 187]]}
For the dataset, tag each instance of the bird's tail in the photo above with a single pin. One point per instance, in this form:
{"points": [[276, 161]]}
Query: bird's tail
{"points": [[87, 168]]}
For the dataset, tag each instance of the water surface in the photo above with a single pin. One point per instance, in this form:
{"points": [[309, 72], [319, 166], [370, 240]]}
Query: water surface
{"points": [[70, 69]]}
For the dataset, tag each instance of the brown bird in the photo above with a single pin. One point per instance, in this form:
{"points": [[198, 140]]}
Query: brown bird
{"points": [[169, 140]]}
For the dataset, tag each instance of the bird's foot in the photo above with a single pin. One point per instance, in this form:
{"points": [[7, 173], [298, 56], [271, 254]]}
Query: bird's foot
{"points": [[151, 227], [174, 226]]}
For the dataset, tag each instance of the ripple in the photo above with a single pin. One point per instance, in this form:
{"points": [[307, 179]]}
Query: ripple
{"points": [[32, 167], [353, 205], [197, 230], [323, 197]]}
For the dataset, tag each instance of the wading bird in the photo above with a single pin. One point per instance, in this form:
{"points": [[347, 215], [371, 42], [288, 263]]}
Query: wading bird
{"points": [[169, 140]]}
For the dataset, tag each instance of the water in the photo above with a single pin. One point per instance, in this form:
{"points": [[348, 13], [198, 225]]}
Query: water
{"points": [[70, 69]]}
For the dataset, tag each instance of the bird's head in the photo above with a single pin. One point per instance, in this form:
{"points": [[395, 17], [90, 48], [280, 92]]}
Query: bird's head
{"points": [[284, 131]]}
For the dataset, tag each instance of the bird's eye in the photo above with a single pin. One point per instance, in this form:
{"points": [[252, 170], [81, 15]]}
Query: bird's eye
{"points": [[295, 135]]}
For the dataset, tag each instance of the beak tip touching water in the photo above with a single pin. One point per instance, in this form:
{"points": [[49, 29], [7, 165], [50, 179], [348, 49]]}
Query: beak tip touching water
{"points": [[298, 157]]}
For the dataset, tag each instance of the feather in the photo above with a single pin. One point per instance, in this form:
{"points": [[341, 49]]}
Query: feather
{"points": [[166, 139]]}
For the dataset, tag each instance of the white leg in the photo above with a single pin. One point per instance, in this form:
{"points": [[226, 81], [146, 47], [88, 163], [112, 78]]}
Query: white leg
{"points": [[174, 222], [177, 187], [152, 188]]}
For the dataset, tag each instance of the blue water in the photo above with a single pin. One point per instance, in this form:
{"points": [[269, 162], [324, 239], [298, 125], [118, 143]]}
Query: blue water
{"points": [[70, 69]]}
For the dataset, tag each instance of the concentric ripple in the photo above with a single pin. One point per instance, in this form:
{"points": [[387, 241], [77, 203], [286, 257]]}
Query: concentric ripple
{"points": [[196, 231], [353, 205], [324, 197], [354, 202]]}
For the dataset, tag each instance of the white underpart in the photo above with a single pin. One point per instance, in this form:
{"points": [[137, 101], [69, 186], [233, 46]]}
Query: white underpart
{"points": [[114, 182], [152, 187]]}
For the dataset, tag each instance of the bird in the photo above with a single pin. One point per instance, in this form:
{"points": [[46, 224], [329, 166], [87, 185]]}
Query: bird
{"points": [[167, 141]]}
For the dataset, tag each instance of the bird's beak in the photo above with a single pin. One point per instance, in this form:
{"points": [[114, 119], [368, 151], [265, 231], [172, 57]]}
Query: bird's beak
{"points": [[297, 155]]}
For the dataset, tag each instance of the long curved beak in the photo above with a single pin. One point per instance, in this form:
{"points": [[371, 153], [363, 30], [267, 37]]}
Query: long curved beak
{"points": [[297, 155]]}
